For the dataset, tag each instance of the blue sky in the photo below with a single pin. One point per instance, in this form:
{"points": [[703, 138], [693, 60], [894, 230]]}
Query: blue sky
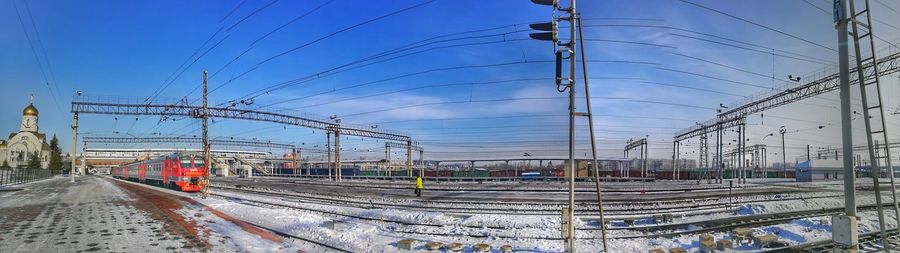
{"points": [[130, 49]]}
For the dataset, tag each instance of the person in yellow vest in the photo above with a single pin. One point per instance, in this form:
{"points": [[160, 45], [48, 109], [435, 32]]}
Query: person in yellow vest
{"points": [[419, 186]]}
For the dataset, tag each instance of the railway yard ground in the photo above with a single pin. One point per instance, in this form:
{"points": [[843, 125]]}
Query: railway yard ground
{"points": [[97, 214], [270, 214]]}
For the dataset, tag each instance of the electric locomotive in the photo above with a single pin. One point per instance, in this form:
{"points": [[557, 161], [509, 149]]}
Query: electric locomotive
{"points": [[178, 171]]}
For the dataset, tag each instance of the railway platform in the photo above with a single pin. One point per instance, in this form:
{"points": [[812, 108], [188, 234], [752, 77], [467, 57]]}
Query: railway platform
{"points": [[98, 214]]}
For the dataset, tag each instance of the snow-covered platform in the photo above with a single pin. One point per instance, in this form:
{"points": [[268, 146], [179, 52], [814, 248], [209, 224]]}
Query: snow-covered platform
{"points": [[106, 215]]}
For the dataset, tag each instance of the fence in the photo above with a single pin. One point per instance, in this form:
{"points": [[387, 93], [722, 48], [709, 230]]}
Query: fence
{"points": [[21, 176]]}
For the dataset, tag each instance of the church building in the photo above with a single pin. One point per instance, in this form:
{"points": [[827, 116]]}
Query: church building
{"points": [[19, 147]]}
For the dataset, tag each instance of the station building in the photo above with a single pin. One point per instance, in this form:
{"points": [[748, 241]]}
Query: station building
{"points": [[18, 148]]}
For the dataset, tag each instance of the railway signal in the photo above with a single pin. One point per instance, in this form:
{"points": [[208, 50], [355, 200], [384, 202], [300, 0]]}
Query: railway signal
{"points": [[549, 31]]}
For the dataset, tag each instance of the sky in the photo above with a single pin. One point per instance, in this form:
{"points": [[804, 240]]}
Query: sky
{"points": [[472, 86]]}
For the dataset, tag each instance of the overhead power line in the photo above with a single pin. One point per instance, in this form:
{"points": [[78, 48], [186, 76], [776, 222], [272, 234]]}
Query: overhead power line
{"points": [[34, 52], [273, 31], [320, 39], [511, 63], [187, 63], [758, 24], [754, 50], [233, 10], [518, 99], [422, 43]]}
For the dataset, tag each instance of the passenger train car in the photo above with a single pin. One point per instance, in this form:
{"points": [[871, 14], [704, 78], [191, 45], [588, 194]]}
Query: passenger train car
{"points": [[179, 171]]}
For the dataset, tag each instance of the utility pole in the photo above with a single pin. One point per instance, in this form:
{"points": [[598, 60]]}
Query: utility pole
{"points": [[720, 163], [551, 34], [74, 145], [740, 154], [205, 115], [337, 154], [409, 167], [783, 151], [570, 214], [328, 150], [83, 158], [844, 229], [675, 154]]}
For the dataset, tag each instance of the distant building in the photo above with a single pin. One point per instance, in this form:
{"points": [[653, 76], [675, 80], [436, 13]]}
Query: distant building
{"points": [[815, 170], [19, 147]]}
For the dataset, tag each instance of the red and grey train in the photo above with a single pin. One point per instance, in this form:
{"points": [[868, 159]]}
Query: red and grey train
{"points": [[179, 171]]}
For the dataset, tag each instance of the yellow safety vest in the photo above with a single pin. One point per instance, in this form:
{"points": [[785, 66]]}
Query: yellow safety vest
{"points": [[419, 183]]}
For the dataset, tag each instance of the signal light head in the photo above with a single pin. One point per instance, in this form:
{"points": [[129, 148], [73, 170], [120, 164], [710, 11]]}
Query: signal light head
{"points": [[551, 31], [554, 3]]}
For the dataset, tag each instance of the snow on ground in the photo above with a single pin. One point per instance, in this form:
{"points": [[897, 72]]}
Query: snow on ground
{"points": [[522, 231], [227, 236]]}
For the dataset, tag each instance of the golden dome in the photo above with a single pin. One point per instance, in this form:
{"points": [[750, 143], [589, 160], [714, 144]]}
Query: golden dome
{"points": [[30, 111]]}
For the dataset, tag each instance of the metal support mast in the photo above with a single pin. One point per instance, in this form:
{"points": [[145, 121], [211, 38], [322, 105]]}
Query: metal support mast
{"points": [[337, 155], [409, 168], [675, 156], [551, 34], [872, 103], [573, 168], [704, 155], [328, 148], [587, 96], [844, 230], [205, 117], [74, 146], [742, 155], [720, 164], [387, 156]]}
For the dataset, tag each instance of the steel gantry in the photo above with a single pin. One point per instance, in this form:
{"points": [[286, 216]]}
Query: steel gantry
{"points": [[790, 93], [644, 154], [827, 81], [296, 151], [166, 139], [137, 106], [702, 130], [409, 146], [738, 156]]}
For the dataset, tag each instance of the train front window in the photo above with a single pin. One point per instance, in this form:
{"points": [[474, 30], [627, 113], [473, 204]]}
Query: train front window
{"points": [[186, 162]]}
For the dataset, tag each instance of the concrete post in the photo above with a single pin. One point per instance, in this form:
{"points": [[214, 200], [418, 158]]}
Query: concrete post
{"points": [[74, 146]]}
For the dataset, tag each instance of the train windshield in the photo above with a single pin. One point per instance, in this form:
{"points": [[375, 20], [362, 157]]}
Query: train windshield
{"points": [[186, 161]]}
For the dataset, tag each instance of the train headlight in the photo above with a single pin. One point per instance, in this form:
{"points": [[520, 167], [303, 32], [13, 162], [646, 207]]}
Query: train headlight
{"points": [[185, 178]]}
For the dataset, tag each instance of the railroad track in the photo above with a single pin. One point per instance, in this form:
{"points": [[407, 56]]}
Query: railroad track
{"points": [[524, 208], [727, 224], [307, 240], [652, 231], [395, 225], [464, 187], [630, 199], [868, 242]]}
